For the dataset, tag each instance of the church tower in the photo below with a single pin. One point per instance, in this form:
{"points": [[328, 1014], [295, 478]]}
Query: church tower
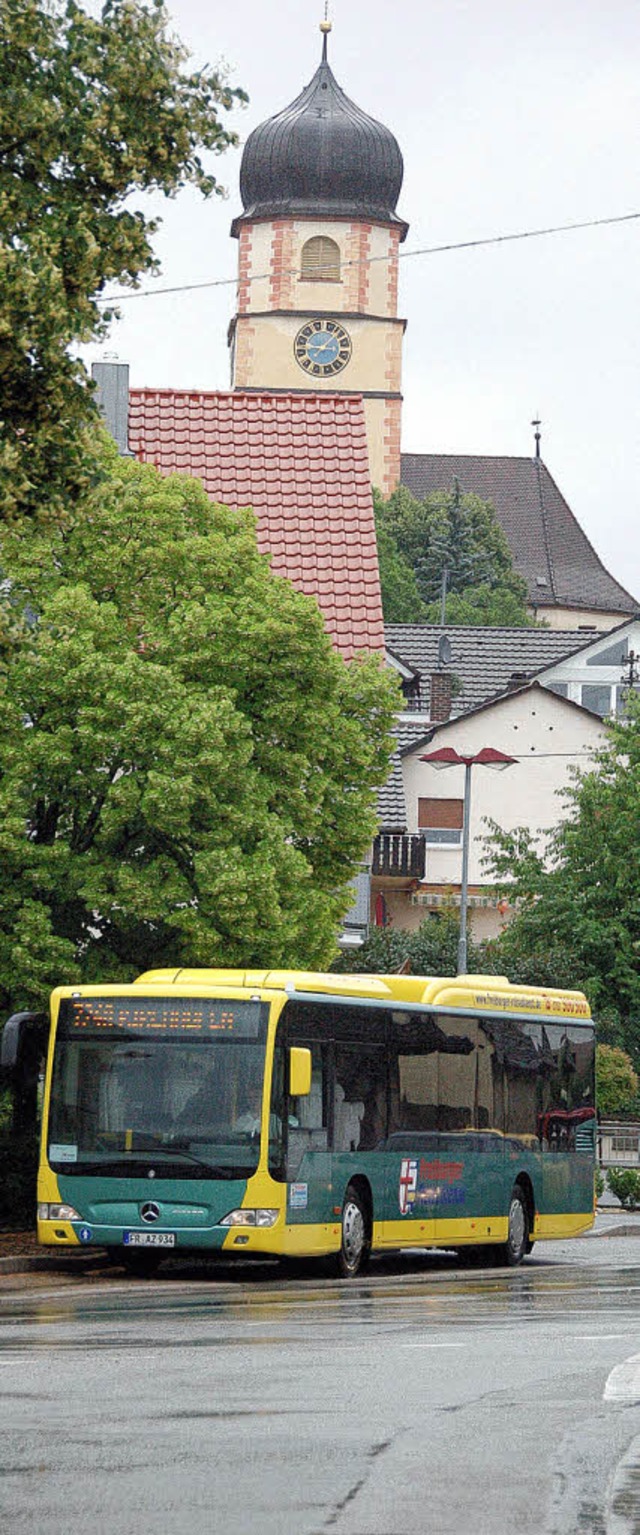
{"points": [[318, 261]]}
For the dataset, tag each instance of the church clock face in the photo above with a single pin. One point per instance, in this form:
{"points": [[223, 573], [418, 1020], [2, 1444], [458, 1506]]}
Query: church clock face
{"points": [[322, 348]]}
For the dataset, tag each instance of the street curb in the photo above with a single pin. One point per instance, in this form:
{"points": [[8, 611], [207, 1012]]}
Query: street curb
{"points": [[615, 1231], [56, 1265], [79, 1262]]}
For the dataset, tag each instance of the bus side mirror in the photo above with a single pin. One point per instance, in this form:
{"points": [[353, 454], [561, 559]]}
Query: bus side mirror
{"points": [[299, 1072]]}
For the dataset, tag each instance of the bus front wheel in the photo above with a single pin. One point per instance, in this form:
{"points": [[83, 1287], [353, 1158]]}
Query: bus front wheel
{"points": [[355, 1246], [518, 1236]]}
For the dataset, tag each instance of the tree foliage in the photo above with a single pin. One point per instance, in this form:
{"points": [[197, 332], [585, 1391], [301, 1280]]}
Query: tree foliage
{"points": [[578, 896], [187, 769], [625, 1184], [431, 949], [92, 109], [617, 1082], [451, 532], [401, 601]]}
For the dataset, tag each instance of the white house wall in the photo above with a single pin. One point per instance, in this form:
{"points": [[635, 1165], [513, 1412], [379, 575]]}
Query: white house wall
{"points": [[582, 669], [546, 736]]}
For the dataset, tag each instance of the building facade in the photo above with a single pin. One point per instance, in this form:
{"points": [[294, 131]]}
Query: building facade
{"points": [[546, 736], [318, 237]]}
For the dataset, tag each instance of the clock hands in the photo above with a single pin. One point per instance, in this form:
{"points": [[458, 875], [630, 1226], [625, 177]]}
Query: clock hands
{"points": [[322, 350], [332, 341]]}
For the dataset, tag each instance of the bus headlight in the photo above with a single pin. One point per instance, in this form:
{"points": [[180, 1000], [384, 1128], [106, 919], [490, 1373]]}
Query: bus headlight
{"points": [[58, 1213], [250, 1218]]}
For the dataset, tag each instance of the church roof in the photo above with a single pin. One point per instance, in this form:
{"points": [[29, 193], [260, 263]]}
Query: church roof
{"points": [[322, 157], [548, 547], [301, 462]]}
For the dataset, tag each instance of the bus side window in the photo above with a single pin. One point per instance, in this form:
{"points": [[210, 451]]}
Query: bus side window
{"points": [[310, 1111], [360, 1105], [457, 1075], [307, 1130]]}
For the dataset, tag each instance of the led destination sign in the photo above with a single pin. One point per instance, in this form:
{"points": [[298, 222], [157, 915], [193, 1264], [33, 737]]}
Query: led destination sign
{"points": [[160, 1018]]}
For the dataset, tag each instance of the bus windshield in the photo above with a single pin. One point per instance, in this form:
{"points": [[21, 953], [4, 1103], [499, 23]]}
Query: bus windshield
{"points": [[169, 1085]]}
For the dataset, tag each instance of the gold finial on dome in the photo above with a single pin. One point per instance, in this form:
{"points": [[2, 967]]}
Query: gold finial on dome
{"points": [[326, 27]]}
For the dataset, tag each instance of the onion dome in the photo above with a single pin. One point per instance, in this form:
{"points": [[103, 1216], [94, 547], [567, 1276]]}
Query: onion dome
{"points": [[322, 157]]}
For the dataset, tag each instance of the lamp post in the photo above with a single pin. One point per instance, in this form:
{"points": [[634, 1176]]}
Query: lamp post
{"points": [[445, 757]]}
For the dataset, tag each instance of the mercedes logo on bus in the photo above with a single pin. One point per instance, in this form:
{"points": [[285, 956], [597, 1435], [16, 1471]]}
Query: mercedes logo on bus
{"points": [[150, 1212]]}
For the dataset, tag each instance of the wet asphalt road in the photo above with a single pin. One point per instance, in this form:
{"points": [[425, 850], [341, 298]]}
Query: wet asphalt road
{"points": [[427, 1398]]}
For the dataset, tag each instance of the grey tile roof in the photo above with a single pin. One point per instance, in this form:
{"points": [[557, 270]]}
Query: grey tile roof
{"points": [[392, 808], [483, 660], [546, 541]]}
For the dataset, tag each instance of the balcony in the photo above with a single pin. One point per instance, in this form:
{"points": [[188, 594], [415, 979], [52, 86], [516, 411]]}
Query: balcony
{"points": [[398, 856]]}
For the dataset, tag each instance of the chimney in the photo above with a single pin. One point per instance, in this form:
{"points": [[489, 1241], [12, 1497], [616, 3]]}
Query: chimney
{"points": [[517, 680], [441, 694], [112, 396]]}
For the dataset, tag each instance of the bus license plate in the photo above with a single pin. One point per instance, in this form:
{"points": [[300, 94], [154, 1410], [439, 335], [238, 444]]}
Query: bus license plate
{"points": [[149, 1238]]}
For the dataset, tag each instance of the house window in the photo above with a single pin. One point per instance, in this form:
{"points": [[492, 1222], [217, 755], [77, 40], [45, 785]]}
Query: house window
{"points": [[628, 1145], [561, 688], [614, 655], [441, 820], [320, 260], [597, 698]]}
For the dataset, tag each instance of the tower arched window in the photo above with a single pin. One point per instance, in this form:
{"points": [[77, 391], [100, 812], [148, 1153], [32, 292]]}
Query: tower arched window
{"points": [[320, 260]]}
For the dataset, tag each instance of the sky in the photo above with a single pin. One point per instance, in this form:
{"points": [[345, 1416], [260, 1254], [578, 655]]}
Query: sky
{"points": [[510, 117]]}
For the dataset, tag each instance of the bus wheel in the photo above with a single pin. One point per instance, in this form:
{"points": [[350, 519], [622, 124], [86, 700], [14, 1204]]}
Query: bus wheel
{"points": [[140, 1265], [517, 1243], [356, 1242]]}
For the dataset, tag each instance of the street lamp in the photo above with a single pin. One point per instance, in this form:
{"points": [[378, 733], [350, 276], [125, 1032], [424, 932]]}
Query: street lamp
{"points": [[445, 757]]}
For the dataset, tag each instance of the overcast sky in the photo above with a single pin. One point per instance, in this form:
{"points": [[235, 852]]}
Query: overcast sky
{"points": [[510, 116]]}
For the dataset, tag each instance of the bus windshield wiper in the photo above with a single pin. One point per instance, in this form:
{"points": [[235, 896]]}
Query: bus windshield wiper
{"points": [[136, 1164], [172, 1153]]}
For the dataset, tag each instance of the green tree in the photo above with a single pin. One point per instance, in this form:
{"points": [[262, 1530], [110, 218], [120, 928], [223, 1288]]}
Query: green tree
{"points": [[401, 601], [431, 949], [92, 110], [459, 534], [578, 895], [187, 769], [625, 1184], [617, 1082]]}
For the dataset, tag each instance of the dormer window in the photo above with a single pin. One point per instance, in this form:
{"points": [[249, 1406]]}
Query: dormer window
{"points": [[320, 260]]}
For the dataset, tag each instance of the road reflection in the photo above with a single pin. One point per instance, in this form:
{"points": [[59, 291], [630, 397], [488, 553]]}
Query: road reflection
{"points": [[256, 1304]]}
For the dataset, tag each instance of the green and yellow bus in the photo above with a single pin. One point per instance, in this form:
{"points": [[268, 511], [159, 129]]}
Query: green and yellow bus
{"points": [[316, 1116]]}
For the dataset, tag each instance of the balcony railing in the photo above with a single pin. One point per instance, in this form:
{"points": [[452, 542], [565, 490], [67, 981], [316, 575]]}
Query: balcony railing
{"points": [[398, 856]]}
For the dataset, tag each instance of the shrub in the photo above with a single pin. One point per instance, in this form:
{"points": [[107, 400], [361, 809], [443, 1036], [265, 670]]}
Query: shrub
{"points": [[599, 1182], [625, 1184]]}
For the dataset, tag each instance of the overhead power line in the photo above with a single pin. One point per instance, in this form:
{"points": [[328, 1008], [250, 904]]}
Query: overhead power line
{"points": [[424, 250]]}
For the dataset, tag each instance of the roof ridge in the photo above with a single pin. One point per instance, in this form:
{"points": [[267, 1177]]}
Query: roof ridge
{"points": [[328, 396], [537, 464], [511, 458]]}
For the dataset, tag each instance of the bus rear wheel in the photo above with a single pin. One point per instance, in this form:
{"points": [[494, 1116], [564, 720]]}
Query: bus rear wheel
{"points": [[518, 1235], [355, 1246]]}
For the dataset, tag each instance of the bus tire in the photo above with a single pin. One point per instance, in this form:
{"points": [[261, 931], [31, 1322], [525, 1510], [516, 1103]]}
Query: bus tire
{"points": [[355, 1246], [517, 1244]]}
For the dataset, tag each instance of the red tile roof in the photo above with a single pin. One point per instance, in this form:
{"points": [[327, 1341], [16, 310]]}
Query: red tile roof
{"points": [[301, 462]]}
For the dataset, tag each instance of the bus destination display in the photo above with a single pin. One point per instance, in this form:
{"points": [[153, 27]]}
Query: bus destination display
{"points": [[161, 1017]]}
